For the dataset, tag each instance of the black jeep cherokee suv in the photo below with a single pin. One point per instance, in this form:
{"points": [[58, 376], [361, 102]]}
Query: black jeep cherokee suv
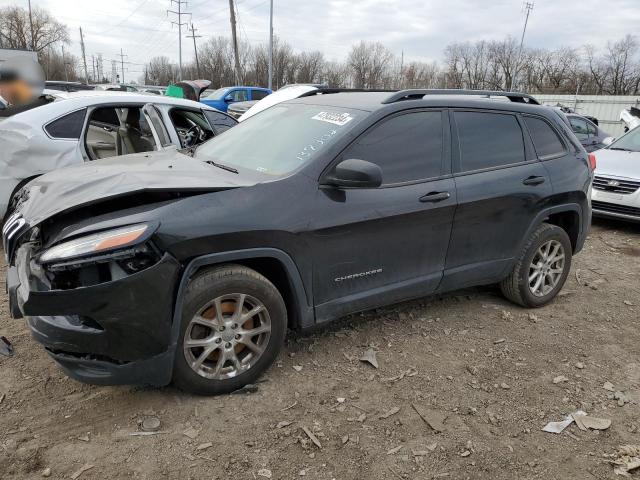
{"points": [[189, 266]]}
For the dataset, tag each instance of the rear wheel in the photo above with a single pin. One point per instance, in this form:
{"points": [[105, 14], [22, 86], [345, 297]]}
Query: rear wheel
{"points": [[233, 326], [542, 268]]}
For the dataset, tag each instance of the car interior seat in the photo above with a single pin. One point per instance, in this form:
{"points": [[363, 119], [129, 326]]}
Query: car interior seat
{"points": [[134, 137]]}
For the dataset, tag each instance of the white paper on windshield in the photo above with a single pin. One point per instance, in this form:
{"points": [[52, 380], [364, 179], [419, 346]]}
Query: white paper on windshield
{"points": [[339, 119]]}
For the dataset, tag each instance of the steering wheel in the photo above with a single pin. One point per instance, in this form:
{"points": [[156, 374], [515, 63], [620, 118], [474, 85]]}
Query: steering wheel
{"points": [[193, 135]]}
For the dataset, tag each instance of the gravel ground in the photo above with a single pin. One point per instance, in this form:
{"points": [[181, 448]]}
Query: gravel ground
{"points": [[478, 368]]}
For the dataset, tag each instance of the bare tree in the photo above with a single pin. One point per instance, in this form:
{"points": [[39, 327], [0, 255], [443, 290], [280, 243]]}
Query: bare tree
{"points": [[15, 31], [310, 67], [161, 71], [368, 63]]}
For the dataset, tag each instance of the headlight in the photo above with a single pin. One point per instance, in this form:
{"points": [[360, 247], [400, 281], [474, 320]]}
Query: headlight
{"points": [[95, 243]]}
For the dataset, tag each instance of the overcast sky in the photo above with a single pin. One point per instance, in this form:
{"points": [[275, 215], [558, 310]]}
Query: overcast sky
{"points": [[420, 28]]}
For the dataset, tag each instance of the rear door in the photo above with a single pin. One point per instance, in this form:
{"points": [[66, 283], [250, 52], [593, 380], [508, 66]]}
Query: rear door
{"points": [[373, 246], [501, 186]]}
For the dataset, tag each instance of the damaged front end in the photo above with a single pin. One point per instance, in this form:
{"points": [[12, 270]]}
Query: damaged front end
{"points": [[101, 304], [88, 269]]}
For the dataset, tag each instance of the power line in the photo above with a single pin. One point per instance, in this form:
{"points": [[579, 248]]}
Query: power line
{"points": [[179, 23]]}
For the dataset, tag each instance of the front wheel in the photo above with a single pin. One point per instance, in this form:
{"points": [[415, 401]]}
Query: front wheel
{"points": [[542, 268], [233, 326]]}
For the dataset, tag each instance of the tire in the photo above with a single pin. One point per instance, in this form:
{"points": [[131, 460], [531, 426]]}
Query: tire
{"points": [[234, 291], [517, 288]]}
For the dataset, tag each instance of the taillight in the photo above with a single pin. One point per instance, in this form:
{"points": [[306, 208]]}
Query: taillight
{"points": [[592, 161]]}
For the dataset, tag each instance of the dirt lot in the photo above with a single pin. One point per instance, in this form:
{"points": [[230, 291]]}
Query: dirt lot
{"points": [[483, 365]]}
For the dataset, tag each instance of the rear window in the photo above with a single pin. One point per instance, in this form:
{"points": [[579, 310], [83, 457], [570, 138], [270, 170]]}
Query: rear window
{"points": [[69, 126], [488, 140], [258, 94], [545, 139]]}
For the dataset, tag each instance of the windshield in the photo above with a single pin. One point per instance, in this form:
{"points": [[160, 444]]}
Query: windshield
{"points": [[218, 94], [281, 139], [629, 142]]}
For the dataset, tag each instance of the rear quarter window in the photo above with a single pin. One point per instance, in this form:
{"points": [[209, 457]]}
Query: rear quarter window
{"points": [[67, 127], [545, 139]]}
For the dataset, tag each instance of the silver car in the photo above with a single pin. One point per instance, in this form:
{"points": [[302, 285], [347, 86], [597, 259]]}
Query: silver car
{"points": [[88, 126], [616, 186]]}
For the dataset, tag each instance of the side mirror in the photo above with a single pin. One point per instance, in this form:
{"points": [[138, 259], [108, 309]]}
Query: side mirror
{"points": [[608, 141], [228, 98], [354, 173]]}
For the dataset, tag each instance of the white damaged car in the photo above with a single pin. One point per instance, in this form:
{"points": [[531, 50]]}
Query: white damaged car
{"points": [[90, 125], [616, 186]]}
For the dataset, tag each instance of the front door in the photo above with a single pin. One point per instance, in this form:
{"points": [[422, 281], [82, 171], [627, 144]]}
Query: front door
{"points": [[374, 246]]}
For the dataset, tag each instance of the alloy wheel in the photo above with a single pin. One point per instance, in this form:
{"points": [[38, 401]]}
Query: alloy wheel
{"points": [[547, 267], [227, 336]]}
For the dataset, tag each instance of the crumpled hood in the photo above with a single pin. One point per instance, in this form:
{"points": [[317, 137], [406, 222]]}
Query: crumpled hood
{"points": [[93, 182], [26, 152], [618, 163]]}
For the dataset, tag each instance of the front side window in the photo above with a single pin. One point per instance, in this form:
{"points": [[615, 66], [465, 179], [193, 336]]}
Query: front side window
{"points": [[191, 126], [591, 128], [406, 147], [282, 138], [67, 127], [488, 140], [545, 140], [239, 96]]}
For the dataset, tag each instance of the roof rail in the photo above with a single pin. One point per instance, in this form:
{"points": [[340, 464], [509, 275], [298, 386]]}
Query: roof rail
{"points": [[421, 93], [327, 90]]}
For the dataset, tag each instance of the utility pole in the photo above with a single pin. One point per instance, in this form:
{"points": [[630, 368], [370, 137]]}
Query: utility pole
{"points": [[64, 65], [528, 6], [114, 71], [179, 23], [195, 48], [234, 38], [93, 68], [122, 55], [84, 58], [271, 47], [33, 47]]}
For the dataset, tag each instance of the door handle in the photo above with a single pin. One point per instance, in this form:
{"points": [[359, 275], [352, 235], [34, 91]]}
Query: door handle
{"points": [[533, 180], [433, 197]]}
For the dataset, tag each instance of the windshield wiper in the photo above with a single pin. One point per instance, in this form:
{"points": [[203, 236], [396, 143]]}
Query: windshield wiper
{"points": [[621, 149], [220, 165]]}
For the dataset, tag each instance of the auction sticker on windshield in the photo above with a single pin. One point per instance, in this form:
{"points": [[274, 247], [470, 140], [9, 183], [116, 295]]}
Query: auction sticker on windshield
{"points": [[339, 119]]}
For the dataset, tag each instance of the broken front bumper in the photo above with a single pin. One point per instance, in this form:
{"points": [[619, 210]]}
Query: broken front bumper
{"points": [[117, 332]]}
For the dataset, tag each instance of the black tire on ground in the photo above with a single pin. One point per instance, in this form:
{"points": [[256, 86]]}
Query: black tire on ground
{"points": [[208, 285], [516, 286]]}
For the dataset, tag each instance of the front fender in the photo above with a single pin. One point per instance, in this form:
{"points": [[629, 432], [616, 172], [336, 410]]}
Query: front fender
{"points": [[302, 298]]}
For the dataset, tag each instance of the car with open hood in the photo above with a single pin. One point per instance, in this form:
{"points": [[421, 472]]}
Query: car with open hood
{"points": [[616, 186], [190, 266], [87, 126]]}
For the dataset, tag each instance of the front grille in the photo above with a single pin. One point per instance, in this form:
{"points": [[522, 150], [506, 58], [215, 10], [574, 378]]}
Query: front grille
{"points": [[615, 185], [615, 208]]}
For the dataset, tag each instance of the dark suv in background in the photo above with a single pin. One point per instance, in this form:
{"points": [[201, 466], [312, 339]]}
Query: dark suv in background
{"points": [[191, 265]]}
